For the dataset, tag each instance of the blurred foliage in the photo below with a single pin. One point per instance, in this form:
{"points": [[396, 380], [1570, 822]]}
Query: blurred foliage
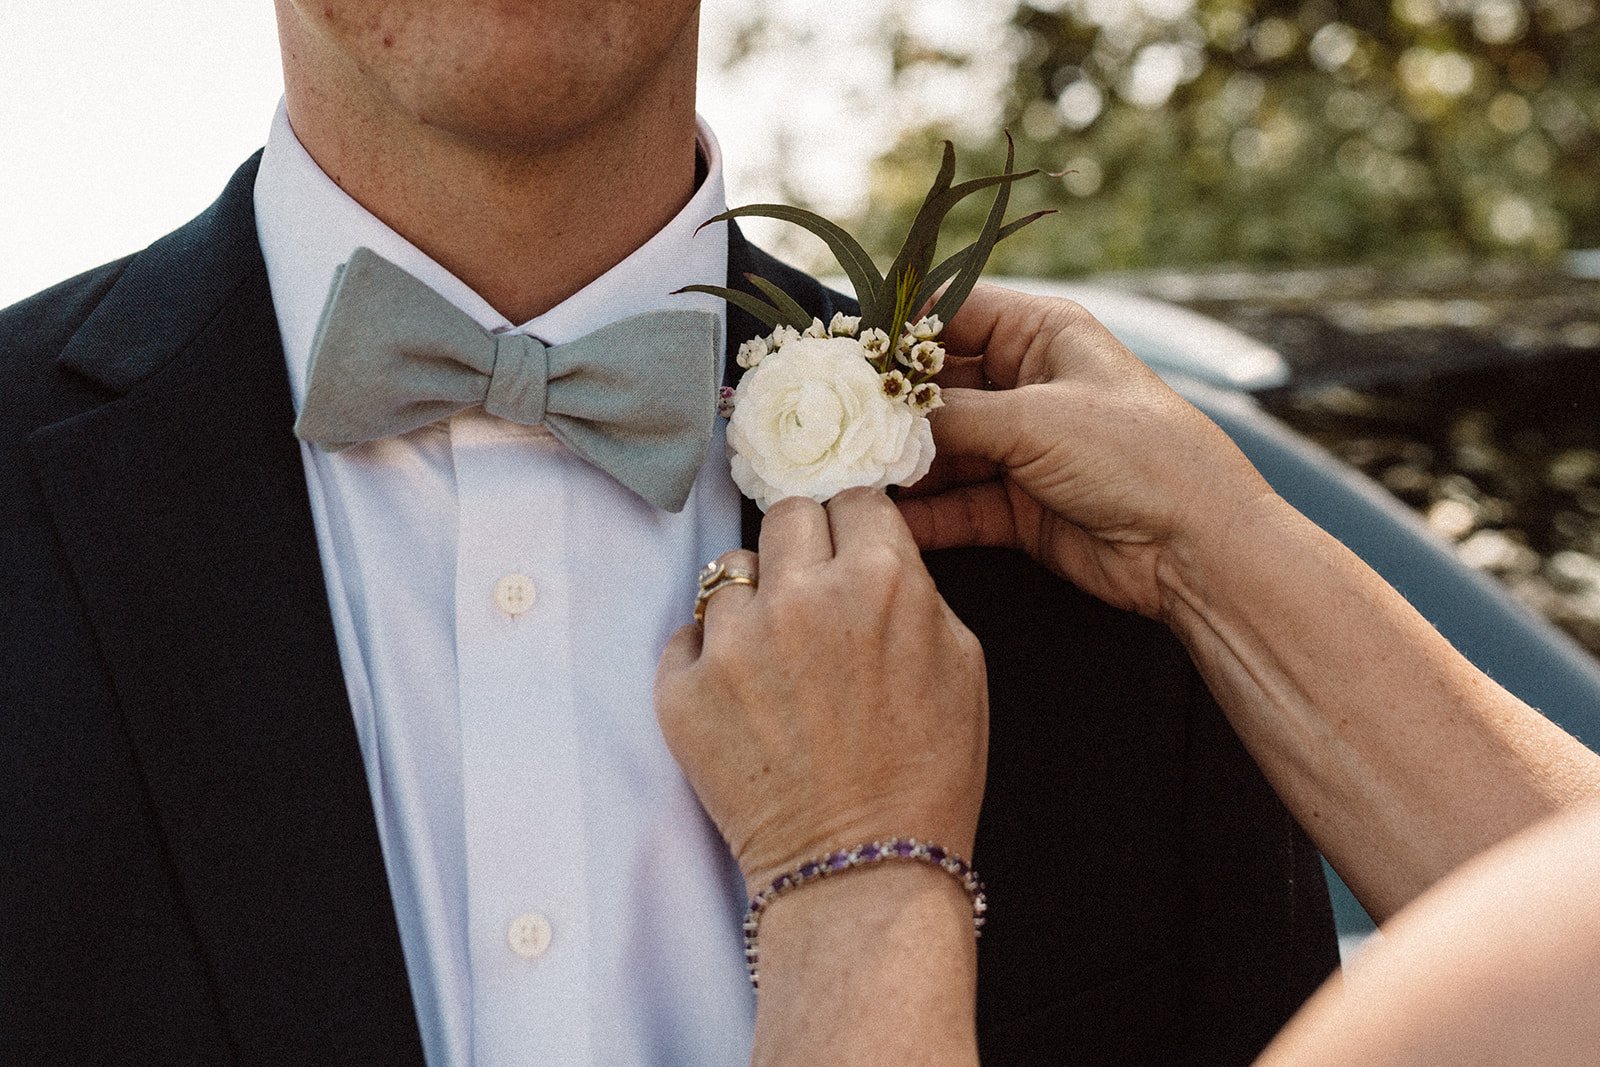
{"points": [[1282, 132]]}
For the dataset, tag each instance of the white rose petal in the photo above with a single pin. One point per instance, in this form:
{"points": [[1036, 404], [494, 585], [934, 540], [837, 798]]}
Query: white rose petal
{"points": [[812, 420]]}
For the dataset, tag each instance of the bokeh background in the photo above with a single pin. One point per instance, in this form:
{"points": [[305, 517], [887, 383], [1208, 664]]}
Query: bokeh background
{"points": [[1401, 197]]}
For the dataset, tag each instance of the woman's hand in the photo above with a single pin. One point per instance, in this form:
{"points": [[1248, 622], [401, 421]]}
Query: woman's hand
{"points": [[1337, 687], [1078, 454], [839, 702]]}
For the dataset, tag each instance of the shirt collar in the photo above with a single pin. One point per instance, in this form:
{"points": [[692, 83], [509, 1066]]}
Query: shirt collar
{"points": [[308, 227]]}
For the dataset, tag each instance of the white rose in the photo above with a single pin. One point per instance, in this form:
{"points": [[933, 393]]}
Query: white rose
{"points": [[812, 420]]}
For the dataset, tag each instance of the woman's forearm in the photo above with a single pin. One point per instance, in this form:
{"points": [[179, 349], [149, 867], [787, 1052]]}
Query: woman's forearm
{"points": [[1399, 757], [1500, 963]]}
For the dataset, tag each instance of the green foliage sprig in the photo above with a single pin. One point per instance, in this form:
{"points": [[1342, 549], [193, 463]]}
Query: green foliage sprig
{"points": [[889, 300]]}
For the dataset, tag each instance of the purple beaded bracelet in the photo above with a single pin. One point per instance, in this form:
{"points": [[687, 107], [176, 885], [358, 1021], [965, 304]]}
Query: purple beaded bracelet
{"points": [[897, 848]]}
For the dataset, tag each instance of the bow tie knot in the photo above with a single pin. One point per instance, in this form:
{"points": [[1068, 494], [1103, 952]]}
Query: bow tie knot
{"points": [[636, 398], [519, 384]]}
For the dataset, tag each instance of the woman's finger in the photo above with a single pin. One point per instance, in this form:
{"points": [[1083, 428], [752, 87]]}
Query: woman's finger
{"points": [[732, 589], [979, 424], [971, 515], [683, 649], [999, 325], [1006, 327], [951, 471], [962, 372], [866, 521], [794, 539]]}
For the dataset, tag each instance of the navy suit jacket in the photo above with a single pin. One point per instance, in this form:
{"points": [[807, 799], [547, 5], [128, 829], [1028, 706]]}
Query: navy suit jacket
{"points": [[189, 865]]}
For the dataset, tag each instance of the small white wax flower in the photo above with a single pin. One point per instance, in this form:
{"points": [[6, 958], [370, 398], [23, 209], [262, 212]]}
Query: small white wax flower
{"points": [[924, 357], [903, 345], [782, 336], [875, 343], [896, 386], [926, 398], [845, 325], [813, 420], [751, 352], [926, 329], [816, 329]]}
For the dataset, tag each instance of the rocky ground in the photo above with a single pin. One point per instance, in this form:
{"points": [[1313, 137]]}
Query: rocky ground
{"points": [[1471, 393]]}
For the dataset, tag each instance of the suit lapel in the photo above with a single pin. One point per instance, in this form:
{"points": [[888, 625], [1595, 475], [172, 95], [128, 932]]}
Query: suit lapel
{"points": [[745, 258], [181, 506]]}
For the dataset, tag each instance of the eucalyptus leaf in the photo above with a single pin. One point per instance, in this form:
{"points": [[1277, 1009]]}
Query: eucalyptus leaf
{"points": [[916, 254], [930, 218], [948, 268], [853, 259], [967, 277], [958, 193], [787, 306], [887, 300], [758, 308]]}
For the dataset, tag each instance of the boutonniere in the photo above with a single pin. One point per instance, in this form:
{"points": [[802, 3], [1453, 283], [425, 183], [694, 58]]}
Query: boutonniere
{"points": [[825, 407]]}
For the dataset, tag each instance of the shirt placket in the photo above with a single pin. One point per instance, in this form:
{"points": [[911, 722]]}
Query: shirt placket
{"points": [[527, 916]]}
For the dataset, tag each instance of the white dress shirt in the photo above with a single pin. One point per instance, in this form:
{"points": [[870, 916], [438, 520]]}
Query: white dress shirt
{"points": [[499, 606]]}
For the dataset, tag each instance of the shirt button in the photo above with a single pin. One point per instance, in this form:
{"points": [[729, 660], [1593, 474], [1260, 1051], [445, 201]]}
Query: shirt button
{"points": [[514, 593], [529, 935]]}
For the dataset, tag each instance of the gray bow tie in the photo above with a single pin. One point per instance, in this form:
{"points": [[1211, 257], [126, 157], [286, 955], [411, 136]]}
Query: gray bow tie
{"points": [[636, 398]]}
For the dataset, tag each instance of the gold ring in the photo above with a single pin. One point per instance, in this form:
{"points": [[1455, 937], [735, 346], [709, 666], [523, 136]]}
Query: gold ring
{"points": [[715, 576]]}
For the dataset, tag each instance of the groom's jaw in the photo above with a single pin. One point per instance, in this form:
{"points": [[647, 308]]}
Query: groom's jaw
{"points": [[527, 147]]}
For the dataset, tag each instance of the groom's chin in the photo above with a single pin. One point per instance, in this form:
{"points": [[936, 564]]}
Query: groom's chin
{"points": [[494, 74]]}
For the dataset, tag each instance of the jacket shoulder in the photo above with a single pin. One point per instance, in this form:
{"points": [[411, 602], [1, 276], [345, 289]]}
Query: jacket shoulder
{"points": [[117, 324], [33, 333]]}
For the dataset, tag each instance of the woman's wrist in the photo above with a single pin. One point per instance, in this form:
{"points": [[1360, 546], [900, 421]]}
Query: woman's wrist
{"points": [[875, 895], [876, 964], [916, 819], [843, 861], [1206, 555]]}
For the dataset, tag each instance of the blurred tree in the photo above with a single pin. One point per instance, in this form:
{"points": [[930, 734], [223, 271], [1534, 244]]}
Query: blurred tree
{"points": [[1277, 132]]}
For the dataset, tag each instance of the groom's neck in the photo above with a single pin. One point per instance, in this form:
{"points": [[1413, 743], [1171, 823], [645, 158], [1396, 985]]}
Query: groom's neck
{"points": [[525, 219]]}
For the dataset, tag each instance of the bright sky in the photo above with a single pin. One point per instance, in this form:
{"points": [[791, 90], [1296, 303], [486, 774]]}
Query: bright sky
{"points": [[120, 121]]}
